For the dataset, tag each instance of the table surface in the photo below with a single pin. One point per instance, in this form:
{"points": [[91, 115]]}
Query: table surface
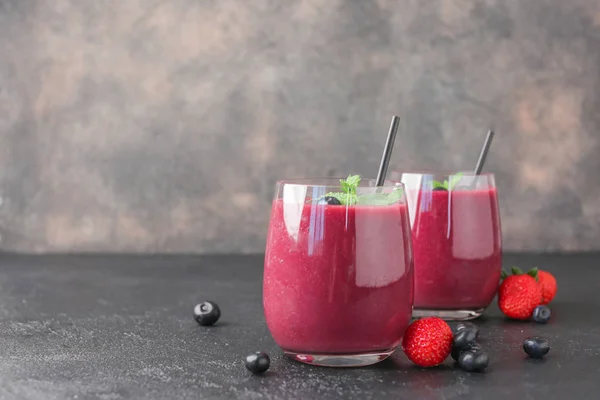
{"points": [[112, 327]]}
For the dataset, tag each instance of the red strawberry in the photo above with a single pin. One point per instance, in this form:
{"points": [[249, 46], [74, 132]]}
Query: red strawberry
{"points": [[519, 294], [547, 281], [428, 341]]}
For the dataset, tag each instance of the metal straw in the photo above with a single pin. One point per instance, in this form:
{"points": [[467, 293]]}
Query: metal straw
{"points": [[484, 152], [387, 151]]}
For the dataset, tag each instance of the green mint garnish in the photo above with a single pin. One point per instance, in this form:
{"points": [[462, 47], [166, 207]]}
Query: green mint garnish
{"points": [[448, 185], [438, 184], [348, 186], [348, 196], [395, 196], [381, 199], [454, 181]]}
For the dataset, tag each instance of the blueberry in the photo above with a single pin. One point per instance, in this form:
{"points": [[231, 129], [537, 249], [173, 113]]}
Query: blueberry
{"points": [[207, 313], [332, 201], [456, 352], [536, 347], [542, 314], [467, 325], [473, 360], [258, 362], [464, 339]]}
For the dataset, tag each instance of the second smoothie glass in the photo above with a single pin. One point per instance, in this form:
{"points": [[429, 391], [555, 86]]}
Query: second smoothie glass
{"points": [[457, 242], [338, 279]]}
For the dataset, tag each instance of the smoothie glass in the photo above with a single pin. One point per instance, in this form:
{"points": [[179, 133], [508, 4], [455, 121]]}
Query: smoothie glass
{"points": [[338, 280], [457, 242]]}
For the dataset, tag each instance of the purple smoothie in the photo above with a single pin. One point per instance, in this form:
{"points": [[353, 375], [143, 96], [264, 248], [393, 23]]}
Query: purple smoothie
{"points": [[338, 279], [457, 249]]}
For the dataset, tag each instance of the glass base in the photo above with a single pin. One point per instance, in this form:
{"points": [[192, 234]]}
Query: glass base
{"points": [[448, 315], [340, 360]]}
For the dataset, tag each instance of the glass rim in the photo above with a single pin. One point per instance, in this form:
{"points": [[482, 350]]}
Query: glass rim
{"points": [[442, 173], [335, 182]]}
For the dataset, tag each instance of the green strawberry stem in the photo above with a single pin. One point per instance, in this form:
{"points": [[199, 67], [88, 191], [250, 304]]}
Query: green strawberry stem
{"points": [[517, 271], [533, 272]]}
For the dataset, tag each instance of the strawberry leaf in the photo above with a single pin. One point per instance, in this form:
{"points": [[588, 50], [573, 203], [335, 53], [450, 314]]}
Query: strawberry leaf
{"points": [[503, 275], [517, 271], [533, 272]]}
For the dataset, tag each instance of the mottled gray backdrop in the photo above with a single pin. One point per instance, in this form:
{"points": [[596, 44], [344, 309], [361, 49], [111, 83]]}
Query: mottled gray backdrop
{"points": [[161, 125]]}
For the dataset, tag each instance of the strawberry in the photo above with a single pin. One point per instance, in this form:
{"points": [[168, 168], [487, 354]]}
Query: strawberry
{"points": [[547, 281], [427, 342], [519, 294]]}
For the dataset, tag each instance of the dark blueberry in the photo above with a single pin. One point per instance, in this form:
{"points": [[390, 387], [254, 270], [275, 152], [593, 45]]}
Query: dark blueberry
{"points": [[467, 325], [473, 360], [439, 189], [258, 362], [536, 347], [333, 201], [207, 313], [476, 347], [542, 314], [456, 352], [464, 339]]}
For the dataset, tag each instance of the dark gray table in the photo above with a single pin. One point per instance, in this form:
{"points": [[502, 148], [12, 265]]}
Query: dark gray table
{"points": [[121, 327]]}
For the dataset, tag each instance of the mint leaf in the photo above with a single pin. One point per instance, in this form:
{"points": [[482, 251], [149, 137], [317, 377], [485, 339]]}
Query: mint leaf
{"points": [[438, 184], [448, 185], [381, 199], [373, 199], [348, 196], [350, 184], [454, 179], [396, 195]]}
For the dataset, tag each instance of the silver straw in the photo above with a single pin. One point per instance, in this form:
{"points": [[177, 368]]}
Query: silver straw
{"points": [[387, 151]]}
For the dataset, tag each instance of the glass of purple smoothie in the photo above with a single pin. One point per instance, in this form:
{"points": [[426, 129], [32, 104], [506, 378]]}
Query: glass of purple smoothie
{"points": [[338, 278], [457, 242]]}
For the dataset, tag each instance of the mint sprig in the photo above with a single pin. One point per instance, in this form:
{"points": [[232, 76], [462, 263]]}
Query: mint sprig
{"points": [[348, 194], [447, 184], [348, 187], [350, 184], [381, 199]]}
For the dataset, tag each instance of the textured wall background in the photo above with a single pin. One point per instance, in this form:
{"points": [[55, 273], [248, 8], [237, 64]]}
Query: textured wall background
{"points": [[128, 125]]}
